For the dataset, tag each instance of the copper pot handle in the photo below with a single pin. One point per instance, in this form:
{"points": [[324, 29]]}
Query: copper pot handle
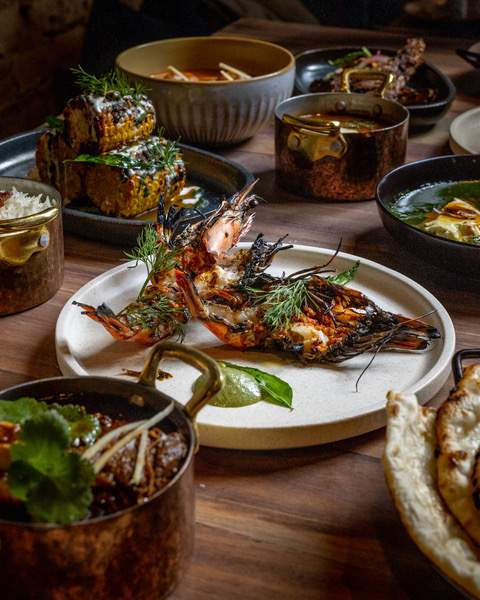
{"points": [[386, 78], [195, 358], [459, 357], [315, 140]]}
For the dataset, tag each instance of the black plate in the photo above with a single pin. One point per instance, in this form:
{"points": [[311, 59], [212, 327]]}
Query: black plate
{"points": [[313, 64], [447, 254], [218, 177]]}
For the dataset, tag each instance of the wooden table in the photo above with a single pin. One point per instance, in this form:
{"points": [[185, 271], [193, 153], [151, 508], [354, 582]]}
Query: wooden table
{"points": [[301, 524]]}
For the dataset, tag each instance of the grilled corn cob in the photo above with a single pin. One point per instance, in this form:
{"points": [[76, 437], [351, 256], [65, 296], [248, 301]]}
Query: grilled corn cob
{"points": [[127, 181], [52, 150], [98, 124]]}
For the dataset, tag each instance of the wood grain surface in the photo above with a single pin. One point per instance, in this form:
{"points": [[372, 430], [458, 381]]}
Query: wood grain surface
{"points": [[301, 524]]}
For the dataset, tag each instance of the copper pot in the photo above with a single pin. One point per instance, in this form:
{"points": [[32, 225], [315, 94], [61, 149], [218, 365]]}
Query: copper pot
{"points": [[315, 158], [31, 251], [139, 552]]}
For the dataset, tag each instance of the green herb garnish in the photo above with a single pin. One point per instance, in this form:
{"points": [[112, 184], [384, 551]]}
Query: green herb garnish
{"points": [[345, 60], [465, 190], [153, 312], [345, 276], [247, 385], [81, 426], [154, 253], [283, 302], [411, 214], [54, 483], [55, 123], [153, 156], [112, 81], [273, 389]]}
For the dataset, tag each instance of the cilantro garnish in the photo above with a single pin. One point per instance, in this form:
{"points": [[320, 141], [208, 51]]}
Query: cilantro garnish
{"points": [[53, 482]]}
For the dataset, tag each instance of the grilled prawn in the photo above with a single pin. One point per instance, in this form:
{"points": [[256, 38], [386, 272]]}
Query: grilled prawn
{"points": [[200, 250], [305, 315]]}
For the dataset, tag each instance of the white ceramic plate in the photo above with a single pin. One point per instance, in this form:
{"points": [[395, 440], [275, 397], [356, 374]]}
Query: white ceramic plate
{"points": [[465, 132], [326, 405]]}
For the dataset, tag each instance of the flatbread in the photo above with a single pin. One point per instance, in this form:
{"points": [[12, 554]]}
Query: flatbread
{"points": [[458, 440], [410, 469]]}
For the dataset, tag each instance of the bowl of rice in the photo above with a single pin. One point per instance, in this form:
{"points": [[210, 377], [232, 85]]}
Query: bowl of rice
{"points": [[31, 244]]}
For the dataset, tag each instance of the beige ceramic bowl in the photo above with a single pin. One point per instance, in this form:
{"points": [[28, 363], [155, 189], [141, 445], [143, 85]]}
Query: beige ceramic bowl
{"points": [[213, 113]]}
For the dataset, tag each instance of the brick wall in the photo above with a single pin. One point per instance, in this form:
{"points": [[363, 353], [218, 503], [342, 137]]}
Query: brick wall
{"points": [[39, 41]]}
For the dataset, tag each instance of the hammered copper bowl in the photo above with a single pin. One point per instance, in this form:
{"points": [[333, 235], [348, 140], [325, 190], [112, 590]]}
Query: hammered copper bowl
{"points": [[321, 162], [31, 250], [140, 552], [212, 113]]}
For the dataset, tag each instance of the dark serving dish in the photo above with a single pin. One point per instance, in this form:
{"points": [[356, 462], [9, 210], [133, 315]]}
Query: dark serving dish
{"points": [[139, 552], [313, 64], [447, 254], [218, 176]]}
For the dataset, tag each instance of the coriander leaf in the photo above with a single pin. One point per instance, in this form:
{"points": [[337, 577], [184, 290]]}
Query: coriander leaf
{"points": [[17, 411], [273, 389], [54, 484], [82, 426], [345, 276]]}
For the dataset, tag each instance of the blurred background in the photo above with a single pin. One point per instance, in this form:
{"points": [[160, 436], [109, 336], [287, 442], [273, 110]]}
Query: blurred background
{"points": [[41, 39]]}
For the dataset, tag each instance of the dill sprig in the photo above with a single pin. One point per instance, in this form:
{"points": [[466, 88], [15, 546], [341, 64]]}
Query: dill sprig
{"points": [[153, 252], [286, 300], [283, 302], [112, 81], [157, 311]]}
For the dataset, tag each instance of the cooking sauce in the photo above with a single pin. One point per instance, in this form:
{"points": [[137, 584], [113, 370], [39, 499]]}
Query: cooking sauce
{"points": [[198, 75], [348, 123]]}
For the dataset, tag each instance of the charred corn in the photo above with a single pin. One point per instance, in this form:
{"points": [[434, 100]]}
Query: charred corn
{"points": [[98, 124], [127, 181], [51, 151]]}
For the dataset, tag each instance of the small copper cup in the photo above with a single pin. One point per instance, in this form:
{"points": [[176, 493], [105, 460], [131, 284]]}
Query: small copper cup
{"points": [[31, 250]]}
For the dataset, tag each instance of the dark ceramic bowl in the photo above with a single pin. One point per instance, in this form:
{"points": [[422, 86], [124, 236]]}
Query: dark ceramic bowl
{"points": [[447, 254], [314, 64], [139, 552]]}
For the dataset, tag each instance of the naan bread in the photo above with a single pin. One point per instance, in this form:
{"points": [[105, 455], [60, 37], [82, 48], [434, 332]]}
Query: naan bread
{"points": [[458, 435], [410, 468]]}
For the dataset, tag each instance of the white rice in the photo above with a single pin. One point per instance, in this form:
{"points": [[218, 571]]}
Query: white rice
{"points": [[21, 205]]}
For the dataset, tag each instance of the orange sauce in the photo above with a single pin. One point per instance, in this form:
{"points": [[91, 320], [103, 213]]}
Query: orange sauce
{"points": [[193, 75]]}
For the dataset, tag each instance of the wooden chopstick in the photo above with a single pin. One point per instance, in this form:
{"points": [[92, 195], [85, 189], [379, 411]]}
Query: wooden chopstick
{"points": [[178, 73], [235, 71], [226, 75]]}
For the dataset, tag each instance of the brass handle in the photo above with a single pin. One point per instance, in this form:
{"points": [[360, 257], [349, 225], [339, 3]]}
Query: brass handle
{"points": [[366, 74], [200, 361], [313, 140], [320, 126]]}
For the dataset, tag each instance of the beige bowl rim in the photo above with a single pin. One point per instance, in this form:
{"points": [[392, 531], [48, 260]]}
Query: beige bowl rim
{"points": [[288, 67]]}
